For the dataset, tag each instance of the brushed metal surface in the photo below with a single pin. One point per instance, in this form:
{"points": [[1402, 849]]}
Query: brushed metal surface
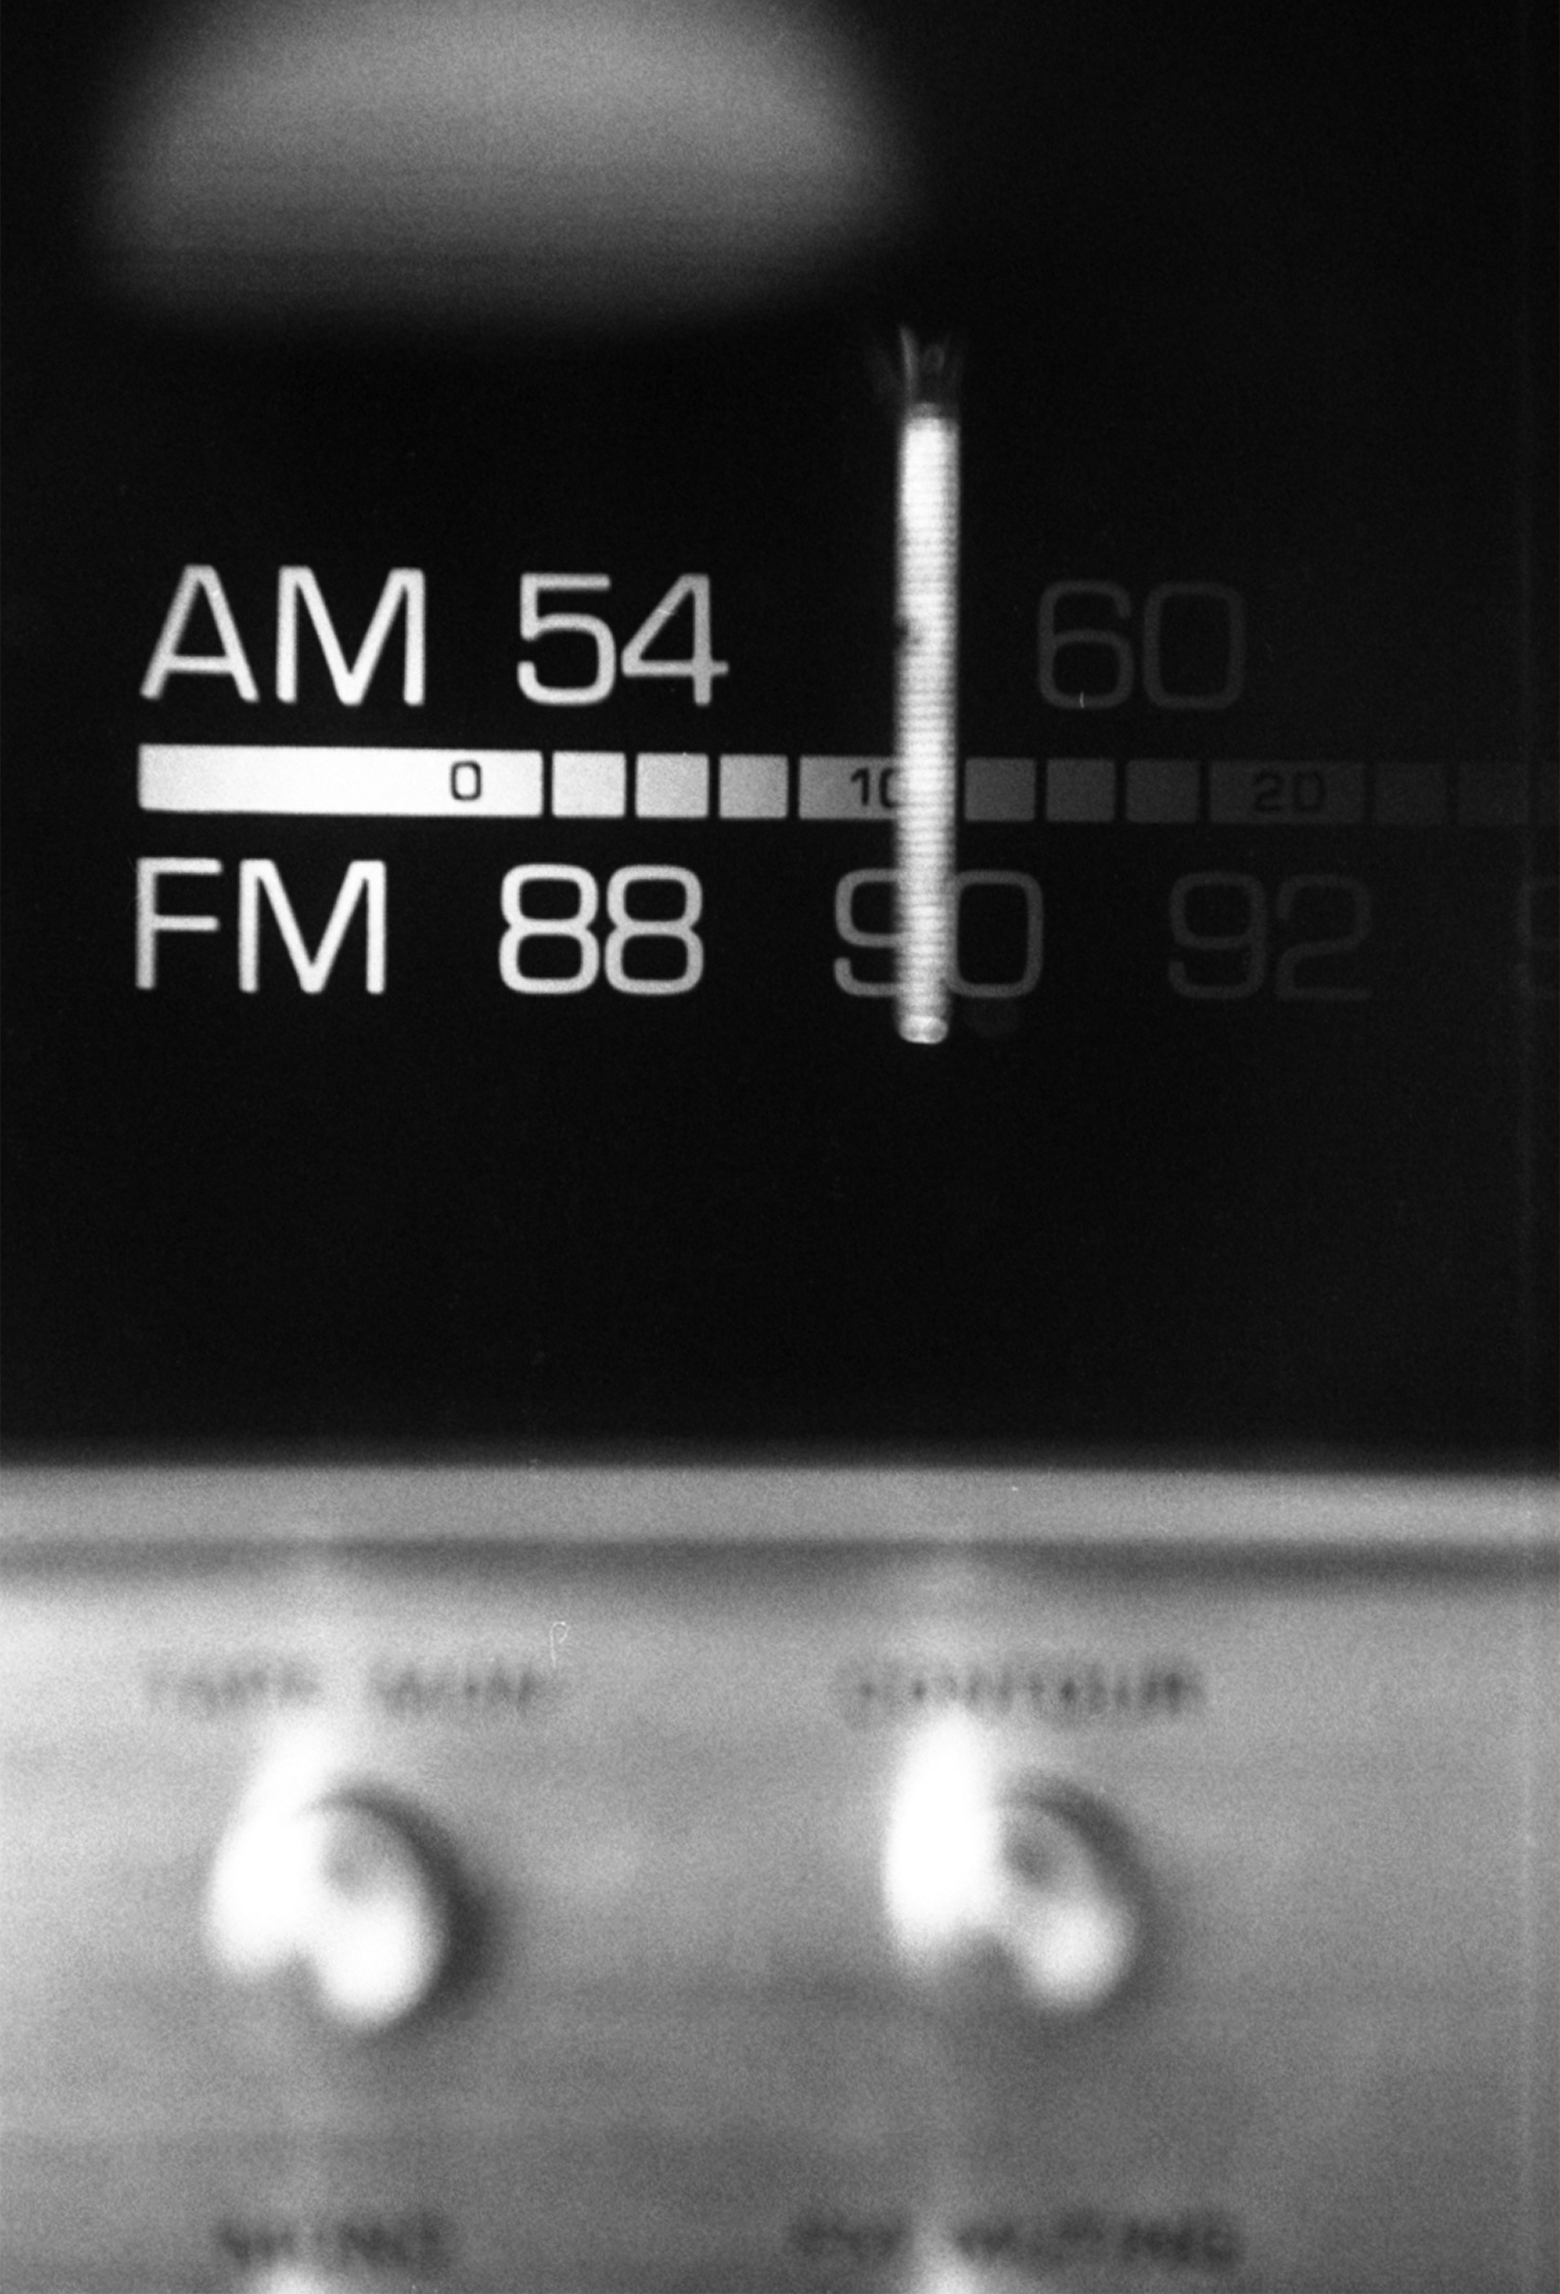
{"points": [[683, 2052], [1101, 1506]]}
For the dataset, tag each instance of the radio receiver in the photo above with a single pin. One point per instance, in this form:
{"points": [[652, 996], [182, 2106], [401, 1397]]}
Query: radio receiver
{"points": [[781, 919]]}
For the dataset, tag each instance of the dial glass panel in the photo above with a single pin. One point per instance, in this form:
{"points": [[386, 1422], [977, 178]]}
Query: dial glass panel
{"points": [[453, 765]]}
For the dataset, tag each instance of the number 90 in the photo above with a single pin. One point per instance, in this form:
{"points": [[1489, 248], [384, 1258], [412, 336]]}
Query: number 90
{"points": [[979, 881]]}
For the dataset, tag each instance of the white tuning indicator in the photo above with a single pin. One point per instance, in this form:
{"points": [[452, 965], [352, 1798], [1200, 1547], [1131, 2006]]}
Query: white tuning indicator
{"points": [[1026, 1870], [338, 1889], [926, 686]]}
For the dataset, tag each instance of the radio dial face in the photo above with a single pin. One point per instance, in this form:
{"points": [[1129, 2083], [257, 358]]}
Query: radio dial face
{"points": [[482, 812]]}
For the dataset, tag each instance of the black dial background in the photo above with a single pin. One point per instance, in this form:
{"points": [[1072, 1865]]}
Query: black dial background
{"points": [[1242, 299]]}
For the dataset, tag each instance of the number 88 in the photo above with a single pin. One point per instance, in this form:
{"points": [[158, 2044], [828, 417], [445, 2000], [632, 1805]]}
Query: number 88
{"points": [[576, 928]]}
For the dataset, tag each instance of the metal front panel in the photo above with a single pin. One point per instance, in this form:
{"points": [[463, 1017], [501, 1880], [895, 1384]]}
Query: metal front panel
{"points": [[684, 2050]]}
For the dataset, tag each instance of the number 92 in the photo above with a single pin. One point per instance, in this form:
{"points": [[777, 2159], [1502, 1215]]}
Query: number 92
{"points": [[1220, 919]]}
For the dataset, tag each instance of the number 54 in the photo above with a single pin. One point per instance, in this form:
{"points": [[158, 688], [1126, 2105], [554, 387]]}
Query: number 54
{"points": [[699, 665]]}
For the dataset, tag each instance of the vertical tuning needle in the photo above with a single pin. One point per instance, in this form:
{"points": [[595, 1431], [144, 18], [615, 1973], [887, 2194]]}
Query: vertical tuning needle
{"points": [[926, 681]]}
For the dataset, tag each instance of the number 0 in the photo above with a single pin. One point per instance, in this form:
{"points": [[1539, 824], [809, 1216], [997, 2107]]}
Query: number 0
{"points": [[1228, 691]]}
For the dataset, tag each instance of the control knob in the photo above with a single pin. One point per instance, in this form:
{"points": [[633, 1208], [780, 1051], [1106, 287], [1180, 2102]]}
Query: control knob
{"points": [[1026, 1870], [342, 1888]]}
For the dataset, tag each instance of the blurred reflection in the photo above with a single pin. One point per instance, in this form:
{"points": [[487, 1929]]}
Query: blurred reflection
{"points": [[541, 161]]}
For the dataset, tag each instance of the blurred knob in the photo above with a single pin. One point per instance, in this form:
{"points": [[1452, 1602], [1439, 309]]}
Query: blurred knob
{"points": [[1029, 1871], [1063, 1907], [303, 2278], [341, 1889]]}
